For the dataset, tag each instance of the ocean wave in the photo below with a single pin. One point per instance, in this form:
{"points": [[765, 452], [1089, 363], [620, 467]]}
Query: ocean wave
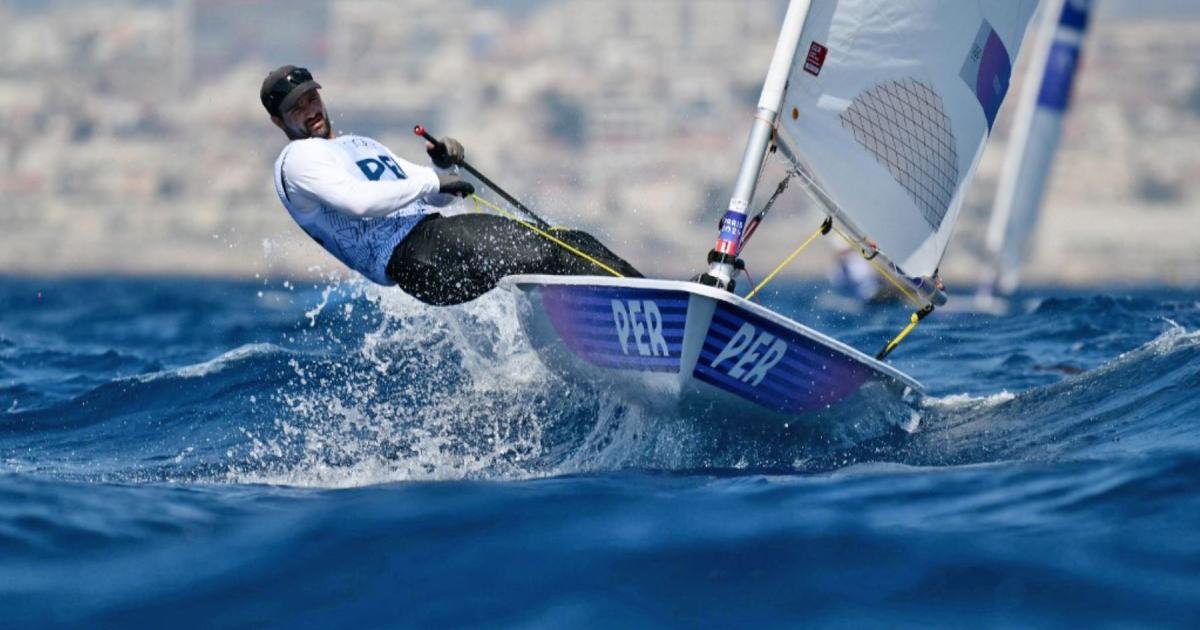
{"points": [[445, 394], [965, 402], [373, 387], [1131, 401], [216, 364]]}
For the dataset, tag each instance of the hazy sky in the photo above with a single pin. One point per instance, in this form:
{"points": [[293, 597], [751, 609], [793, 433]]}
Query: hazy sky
{"points": [[1104, 7]]}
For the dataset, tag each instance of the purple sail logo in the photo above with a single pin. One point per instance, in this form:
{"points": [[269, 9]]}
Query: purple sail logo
{"points": [[988, 71]]}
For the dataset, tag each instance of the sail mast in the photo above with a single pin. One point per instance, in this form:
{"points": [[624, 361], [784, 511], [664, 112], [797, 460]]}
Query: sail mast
{"points": [[720, 271]]}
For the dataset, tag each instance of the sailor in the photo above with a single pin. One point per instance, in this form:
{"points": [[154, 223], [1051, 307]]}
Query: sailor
{"points": [[378, 213], [853, 277]]}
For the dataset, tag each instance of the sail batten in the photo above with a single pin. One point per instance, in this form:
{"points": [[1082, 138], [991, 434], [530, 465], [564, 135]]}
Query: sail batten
{"points": [[888, 106]]}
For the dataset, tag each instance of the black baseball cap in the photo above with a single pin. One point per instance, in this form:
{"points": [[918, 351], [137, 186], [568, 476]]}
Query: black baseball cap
{"points": [[284, 86]]}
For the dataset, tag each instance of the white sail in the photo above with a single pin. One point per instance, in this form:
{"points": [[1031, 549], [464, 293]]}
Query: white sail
{"points": [[1037, 129], [888, 105]]}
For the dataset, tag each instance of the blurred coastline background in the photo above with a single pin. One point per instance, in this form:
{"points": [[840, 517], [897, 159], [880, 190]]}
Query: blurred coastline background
{"points": [[134, 142]]}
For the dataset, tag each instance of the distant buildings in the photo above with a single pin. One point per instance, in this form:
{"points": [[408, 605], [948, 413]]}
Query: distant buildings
{"points": [[134, 141]]}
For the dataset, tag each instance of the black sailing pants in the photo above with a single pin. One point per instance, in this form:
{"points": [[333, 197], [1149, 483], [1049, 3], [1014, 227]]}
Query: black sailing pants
{"points": [[450, 260]]}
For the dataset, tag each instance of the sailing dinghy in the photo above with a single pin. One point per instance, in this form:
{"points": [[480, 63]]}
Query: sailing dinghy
{"points": [[882, 108], [1037, 130]]}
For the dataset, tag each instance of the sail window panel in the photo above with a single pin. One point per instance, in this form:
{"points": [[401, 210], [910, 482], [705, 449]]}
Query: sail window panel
{"points": [[905, 127]]}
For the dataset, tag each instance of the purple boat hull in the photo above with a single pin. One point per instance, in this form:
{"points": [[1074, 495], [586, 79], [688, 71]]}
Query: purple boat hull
{"points": [[682, 344]]}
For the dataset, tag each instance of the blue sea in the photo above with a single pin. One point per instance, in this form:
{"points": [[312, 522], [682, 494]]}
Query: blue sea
{"points": [[196, 453]]}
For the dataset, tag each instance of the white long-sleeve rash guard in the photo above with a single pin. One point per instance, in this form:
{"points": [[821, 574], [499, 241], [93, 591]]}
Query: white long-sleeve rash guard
{"points": [[355, 197]]}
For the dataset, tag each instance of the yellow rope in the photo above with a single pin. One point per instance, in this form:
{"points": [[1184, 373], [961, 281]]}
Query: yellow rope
{"points": [[913, 321], [481, 201], [821, 230], [900, 337], [916, 317]]}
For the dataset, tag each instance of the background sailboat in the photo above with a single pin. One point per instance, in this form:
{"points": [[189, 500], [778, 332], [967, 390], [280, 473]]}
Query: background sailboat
{"points": [[1037, 130]]}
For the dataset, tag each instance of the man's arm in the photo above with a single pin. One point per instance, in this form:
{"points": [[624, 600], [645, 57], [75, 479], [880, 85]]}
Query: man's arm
{"points": [[445, 176], [313, 170]]}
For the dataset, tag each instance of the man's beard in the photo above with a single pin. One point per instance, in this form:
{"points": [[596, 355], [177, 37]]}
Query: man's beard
{"points": [[301, 132]]}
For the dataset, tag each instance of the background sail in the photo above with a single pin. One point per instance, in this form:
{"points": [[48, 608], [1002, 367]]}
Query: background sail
{"points": [[888, 106], [1037, 129]]}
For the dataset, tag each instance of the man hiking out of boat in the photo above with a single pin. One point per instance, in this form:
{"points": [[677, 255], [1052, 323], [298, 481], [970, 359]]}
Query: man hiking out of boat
{"points": [[377, 213]]}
